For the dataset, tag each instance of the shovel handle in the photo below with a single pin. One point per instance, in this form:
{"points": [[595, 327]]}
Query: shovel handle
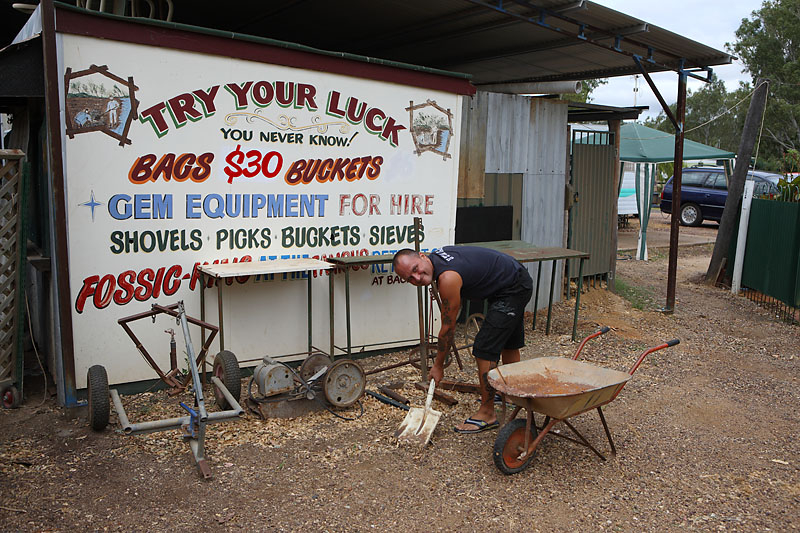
{"points": [[429, 399]]}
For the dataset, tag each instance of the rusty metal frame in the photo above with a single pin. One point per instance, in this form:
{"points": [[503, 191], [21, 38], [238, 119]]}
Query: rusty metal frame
{"points": [[176, 386], [198, 417]]}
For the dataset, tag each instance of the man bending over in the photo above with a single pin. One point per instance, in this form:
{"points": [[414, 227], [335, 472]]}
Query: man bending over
{"points": [[474, 273]]}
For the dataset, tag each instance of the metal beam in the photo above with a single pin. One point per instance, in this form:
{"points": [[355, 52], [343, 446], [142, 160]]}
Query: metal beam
{"points": [[570, 6], [655, 90], [677, 165], [549, 45], [544, 13]]}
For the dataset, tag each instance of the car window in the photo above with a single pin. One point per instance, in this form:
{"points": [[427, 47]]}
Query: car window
{"points": [[763, 187], [717, 181], [694, 179]]}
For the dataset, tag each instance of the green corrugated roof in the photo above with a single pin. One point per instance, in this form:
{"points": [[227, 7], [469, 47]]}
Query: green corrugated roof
{"points": [[640, 144]]}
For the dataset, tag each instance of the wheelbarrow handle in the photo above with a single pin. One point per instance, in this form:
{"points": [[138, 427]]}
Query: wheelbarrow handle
{"points": [[647, 352], [602, 331]]}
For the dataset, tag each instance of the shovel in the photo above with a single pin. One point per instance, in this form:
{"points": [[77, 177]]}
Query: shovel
{"points": [[418, 425]]}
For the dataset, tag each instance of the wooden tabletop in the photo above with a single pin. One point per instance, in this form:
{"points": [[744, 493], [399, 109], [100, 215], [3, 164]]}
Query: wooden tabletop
{"points": [[525, 252], [522, 251], [362, 259], [254, 268]]}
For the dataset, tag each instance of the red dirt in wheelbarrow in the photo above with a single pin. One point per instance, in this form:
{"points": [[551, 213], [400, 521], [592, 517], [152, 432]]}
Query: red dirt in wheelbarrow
{"points": [[547, 384]]}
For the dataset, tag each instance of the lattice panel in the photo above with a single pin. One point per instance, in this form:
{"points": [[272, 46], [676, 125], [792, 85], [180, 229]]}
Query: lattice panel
{"points": [[10, 242]]}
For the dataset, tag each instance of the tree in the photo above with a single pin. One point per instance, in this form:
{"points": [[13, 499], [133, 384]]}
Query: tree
{"points": [[769, 45], [755, 112]]}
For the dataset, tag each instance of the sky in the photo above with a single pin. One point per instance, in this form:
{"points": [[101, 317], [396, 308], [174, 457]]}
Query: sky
{"points": [[710, 22]]}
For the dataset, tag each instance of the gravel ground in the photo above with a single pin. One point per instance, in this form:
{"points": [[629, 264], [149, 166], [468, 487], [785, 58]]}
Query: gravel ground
{"points": [[706, 437]]}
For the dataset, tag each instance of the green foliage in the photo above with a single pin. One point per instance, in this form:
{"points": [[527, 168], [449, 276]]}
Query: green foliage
{"points": [[789, 185], [587, 86], [768, 44]]}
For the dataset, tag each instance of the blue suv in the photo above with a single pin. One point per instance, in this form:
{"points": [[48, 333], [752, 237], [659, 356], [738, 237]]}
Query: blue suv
{"points": [[705, 189]]}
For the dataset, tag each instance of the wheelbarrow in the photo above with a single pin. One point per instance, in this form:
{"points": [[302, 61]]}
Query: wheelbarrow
{"points": [[557, 388]]}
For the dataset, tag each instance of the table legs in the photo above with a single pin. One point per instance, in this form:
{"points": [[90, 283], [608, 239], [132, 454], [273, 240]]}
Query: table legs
{"points": [[577, 300]]}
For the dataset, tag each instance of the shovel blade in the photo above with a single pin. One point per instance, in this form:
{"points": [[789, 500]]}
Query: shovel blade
{"points": [[417, 427]]}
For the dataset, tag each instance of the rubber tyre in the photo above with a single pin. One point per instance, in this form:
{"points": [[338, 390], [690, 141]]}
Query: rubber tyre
{"points": [[507, 446], [691, 215], [226, 368], [99, 403], [11, 397]]}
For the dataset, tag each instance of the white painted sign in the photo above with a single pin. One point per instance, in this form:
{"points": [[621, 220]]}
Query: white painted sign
{"points": [[175, 159]]}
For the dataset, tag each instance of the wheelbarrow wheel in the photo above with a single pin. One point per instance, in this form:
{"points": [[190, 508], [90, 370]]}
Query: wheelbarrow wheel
{"points": [[97, 391], [226, 369], [509, 445], [11, 397]]}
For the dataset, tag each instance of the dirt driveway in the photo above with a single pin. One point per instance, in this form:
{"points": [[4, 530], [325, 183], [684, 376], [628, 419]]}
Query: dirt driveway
{"points": [[706, 434]]}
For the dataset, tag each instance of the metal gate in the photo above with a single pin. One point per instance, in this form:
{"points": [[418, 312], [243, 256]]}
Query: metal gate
{"points": [[12, 257], [591, 218]]}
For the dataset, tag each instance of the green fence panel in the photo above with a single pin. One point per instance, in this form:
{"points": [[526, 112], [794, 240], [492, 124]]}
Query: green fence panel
{"points": [[772, 260]]}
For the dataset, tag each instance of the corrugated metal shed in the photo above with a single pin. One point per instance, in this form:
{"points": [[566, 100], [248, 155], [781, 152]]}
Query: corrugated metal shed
{"points": [[525, 145]]}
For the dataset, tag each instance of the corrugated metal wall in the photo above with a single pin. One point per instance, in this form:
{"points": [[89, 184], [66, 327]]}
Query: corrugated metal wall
{"points": [[592, 219], [524, 145]]}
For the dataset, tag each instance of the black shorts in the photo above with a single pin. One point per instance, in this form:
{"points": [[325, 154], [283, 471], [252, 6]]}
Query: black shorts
{"points": [[504, 325]]}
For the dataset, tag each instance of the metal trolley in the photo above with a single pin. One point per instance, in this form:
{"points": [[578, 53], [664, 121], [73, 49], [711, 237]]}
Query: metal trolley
{"points": [[226, 379]]}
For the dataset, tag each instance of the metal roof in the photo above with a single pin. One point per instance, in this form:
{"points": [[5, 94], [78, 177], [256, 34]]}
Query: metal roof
{"points": [[493, 41]]}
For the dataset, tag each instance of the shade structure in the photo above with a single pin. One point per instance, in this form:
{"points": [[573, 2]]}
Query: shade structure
{"points": [[646, 147], [645, 185], [640, 144]]}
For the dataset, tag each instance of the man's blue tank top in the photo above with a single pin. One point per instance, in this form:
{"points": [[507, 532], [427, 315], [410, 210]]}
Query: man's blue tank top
{"points": [[483, 272]]}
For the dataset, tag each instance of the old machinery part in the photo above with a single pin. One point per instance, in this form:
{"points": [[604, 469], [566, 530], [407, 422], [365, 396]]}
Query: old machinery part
{"points": [[344, 383], [272, 378], [313, 363]]}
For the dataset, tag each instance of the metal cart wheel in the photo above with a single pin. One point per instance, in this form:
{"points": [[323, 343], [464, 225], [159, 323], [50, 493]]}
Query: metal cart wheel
{"points": [[313, 364], [509, 444], [344, 383], [226, 369], [99, 405], [11, 397]]}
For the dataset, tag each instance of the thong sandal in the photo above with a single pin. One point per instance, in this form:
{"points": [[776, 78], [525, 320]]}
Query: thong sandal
{"points": [[480, 426]]}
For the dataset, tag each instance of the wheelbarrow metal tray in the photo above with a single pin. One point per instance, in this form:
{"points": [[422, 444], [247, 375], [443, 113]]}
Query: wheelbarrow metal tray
{"points": [[556, 386]]}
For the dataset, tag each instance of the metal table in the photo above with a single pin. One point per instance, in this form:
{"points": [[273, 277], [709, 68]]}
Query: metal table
{"points": [[255, 268], [525, 252], [522, 251], [346, 263]]}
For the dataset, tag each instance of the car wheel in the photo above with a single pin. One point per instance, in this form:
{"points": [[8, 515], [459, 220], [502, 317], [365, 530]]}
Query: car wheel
{"points": [[691, 215]]}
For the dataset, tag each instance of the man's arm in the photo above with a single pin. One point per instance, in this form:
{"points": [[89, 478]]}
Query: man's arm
{"points": [[450, 293]]}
